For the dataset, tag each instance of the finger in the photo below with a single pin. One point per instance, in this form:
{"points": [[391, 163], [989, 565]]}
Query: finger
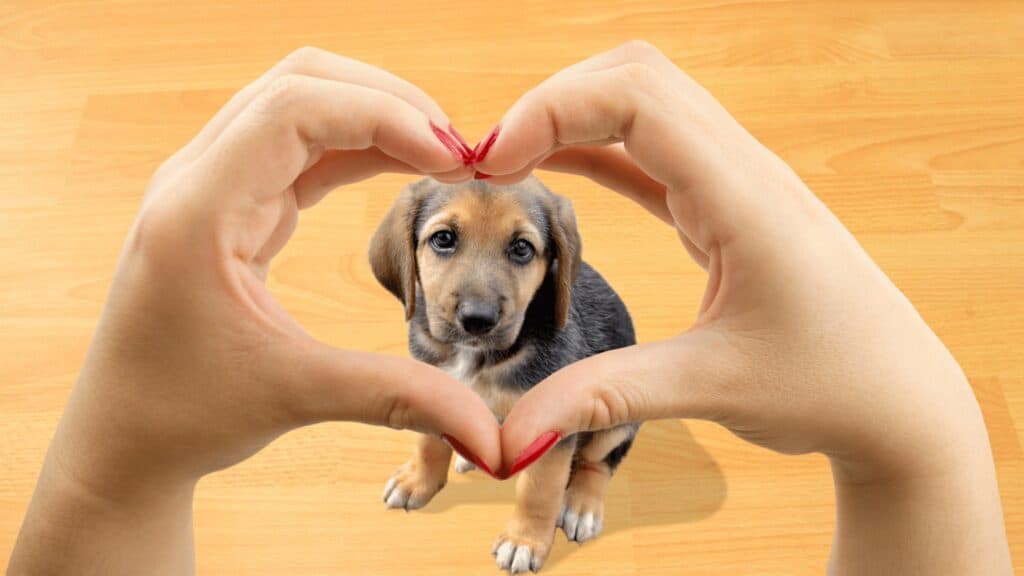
{"points": [[613, 168], [686, 377], [671, 135], [324, 383], [699, 256], [339, 167], [297, 118], [314, 62], [629, 104], [645, 53], [634, 63]]}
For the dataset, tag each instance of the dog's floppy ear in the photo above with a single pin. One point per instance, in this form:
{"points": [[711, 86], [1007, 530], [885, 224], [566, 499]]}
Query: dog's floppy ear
{"points": [[568, 255], [393, 249]]}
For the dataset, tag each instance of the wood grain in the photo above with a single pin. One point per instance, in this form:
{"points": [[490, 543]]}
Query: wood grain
{"points": [[906, 117]]}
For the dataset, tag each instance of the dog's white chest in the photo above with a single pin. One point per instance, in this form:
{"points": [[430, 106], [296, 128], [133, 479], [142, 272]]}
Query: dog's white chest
{"points": [[462, 366], [465, 367]]}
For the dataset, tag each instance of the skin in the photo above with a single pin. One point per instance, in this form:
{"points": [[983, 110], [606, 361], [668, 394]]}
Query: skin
{"points": [[801, 343], [779, 355], [189, 333]]}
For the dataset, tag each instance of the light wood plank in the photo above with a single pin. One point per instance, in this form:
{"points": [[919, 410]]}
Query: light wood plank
{"points": [[906, 117]]}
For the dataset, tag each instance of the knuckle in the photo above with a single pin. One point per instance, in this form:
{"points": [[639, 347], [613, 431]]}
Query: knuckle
{"points": [[282, 92], [638, 74], [165, 168], [300, 59], [157, 232], [641, 51], [398, 414], [609, 407]]}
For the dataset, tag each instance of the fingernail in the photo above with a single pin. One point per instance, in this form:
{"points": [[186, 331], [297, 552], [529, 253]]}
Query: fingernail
{"points": [[478, 175], [467, 152], [458, 447], [535, 450], [450, 143], [484, 146]]}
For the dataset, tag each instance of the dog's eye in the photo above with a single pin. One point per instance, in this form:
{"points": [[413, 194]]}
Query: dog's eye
{"points": [[443, 241], [521, 251]]}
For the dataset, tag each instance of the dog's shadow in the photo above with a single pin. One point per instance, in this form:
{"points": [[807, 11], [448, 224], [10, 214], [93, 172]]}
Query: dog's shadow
{"points": [[667, 478]]}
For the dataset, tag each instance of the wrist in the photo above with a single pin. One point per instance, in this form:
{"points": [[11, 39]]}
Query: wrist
{"points": [[101, 454], [101, 532], [927, 505], [943, 523], [931, 428]]}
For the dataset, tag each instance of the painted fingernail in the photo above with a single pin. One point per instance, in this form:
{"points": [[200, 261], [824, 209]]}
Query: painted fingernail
{"points": [[535, 450], [484, 146], [478, 175], [458, 447], [467, 152], [449, 142]]}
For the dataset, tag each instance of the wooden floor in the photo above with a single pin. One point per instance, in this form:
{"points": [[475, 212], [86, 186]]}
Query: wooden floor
{"points": [[906, 117]]}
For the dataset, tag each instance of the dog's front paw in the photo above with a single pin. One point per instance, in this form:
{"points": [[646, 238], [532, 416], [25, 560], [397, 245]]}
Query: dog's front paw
{"points": [[518, 550], [581, 523], [413, 485], [582, 516]]}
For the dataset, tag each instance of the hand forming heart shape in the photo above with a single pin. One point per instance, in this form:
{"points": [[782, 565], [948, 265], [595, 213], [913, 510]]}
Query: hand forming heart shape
{"points": [[627, 119], [801, 343]]}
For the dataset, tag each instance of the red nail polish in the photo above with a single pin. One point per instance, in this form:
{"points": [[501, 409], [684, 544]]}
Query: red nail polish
{"points": [[535, 450], [458, 447], [478, 175], [467, 153], [450, 143], [484, 146]]}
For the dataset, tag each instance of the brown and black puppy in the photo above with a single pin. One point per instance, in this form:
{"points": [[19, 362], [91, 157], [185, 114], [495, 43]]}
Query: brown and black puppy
{"points": [[496, 293]]}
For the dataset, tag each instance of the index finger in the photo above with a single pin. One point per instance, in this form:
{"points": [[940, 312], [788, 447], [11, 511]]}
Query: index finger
{"points": [[675, 134], [318, 63], [298, 118]]}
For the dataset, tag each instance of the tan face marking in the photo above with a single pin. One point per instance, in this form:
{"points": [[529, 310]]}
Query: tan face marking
{"points": [[485, 225]]}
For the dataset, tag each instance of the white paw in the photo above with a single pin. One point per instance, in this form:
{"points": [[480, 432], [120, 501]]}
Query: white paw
{"points": [[516, 559], [462, 465], [407, 489], [580, 527]]}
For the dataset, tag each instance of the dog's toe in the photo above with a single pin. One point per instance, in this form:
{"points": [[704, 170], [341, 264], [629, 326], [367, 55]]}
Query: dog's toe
{"points": [[462, 465], [581, 528], [410, 488], [519, 555], [581, 523]]}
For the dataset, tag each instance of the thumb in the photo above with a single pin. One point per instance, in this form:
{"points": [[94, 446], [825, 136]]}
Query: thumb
{"points": [[683, 377], [345, 385]]}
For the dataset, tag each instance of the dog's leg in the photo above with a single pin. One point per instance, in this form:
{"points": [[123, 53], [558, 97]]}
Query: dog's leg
{"points": [[526, 541], [582, 516], [423, 476]]}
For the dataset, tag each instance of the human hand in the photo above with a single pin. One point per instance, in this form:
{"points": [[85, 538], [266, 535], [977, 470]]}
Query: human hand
{"points": [[195, 366], [801, 343]]}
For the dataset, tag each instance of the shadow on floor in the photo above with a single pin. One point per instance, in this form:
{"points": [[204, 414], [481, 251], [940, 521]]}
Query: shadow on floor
{"points": [[667, 478]]}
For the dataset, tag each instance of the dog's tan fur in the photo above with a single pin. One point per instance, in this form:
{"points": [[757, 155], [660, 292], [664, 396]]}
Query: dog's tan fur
{"points": [[423, 475], [565, 480], [539, 492], [484, 224]]}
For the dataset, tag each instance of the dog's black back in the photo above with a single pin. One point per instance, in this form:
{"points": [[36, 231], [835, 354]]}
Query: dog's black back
{"points": [[598, 322]]}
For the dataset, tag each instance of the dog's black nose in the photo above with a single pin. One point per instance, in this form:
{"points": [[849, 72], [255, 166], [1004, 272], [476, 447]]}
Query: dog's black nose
{"points": [[476, 317]]}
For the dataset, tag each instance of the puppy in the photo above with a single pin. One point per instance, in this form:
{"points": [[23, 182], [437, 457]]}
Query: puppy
{"points": [[496, 294]]}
